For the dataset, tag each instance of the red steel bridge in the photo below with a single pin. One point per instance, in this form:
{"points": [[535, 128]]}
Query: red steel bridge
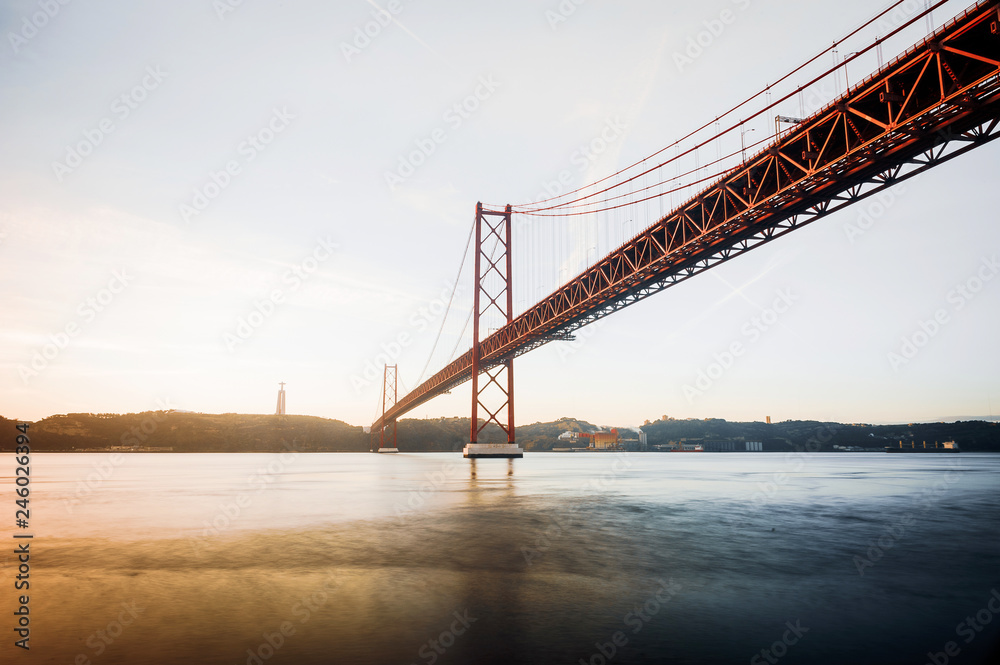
{"points": [[934, 102]]}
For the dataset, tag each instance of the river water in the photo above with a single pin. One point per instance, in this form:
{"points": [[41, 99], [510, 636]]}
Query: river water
{"points": [[554, 558]]}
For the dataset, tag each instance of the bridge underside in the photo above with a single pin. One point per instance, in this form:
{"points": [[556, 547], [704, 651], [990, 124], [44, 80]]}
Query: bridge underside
{"points": [[935, 102]]}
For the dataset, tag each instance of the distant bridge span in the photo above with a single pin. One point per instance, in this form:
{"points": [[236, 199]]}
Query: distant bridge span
{"points": [[938, 100]]}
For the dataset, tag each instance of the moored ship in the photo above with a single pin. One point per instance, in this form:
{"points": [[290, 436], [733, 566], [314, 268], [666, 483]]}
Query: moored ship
{"points": [[946, 447]]}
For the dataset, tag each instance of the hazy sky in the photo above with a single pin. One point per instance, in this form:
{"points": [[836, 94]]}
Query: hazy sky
{"points": [[194, 206]]}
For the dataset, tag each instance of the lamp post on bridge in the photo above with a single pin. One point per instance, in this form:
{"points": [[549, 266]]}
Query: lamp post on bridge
{"points": [[743, 145]]}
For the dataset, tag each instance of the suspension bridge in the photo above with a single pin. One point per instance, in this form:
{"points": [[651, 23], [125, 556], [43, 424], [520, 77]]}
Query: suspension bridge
{"points": [[937, 100]]}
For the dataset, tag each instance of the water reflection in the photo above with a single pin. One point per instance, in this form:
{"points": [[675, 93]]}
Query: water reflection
{"points": [[537, 566], [493, 464]]}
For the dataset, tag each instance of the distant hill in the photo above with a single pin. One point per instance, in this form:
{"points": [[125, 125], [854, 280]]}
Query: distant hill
{"points": [[446, 434], [231, 432], [955, 419], [191, 432], [809, 435], [184, 431]]}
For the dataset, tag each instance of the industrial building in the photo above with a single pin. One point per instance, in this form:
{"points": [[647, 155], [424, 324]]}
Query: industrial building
{"points": [[608, 440], [603, 440], [733, 446]]}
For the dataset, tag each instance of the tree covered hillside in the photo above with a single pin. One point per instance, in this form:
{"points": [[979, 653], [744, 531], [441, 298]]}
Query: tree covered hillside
{"points": [[192, 432]]}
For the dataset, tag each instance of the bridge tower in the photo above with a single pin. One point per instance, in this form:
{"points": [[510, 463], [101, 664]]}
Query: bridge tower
{"points": [[389, 395], [493, 295]]}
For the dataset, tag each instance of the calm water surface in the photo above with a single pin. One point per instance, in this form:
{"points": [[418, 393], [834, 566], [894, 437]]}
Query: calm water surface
{"points": [[554, 558]]}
